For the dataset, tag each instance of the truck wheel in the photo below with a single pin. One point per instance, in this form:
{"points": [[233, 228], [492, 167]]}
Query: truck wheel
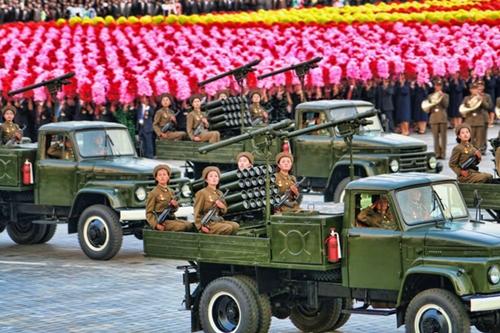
{"points": [[436, 310], [228, 305], [487, 327], [317, 320], [344, 317], [338, 195], [262, 303], [26, 232], [49, 233], [99, 232]]}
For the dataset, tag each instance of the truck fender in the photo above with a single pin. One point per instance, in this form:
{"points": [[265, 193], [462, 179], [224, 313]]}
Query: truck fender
{"points": [[457, 277], [341, 170], [91, 196]]}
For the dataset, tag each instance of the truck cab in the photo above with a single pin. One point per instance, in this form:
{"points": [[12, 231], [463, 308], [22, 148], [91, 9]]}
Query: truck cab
{"points": [[87, 175]]}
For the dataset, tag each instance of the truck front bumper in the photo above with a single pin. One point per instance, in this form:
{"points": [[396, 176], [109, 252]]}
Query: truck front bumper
{"points": [[140, 214], [483, 303]]}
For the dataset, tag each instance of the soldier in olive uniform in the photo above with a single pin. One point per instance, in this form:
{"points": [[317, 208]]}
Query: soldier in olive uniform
{"points": [[461, 153], [475, 108], [438, 118], [285, 182], [196, 119], [378, 215], [160, 198], [209, 198], [166, 116], [245, 160], [57, 151], [10, 131], [257, 112]]}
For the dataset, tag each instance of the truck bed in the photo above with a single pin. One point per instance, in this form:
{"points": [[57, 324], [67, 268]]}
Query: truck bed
{"points": [[294, 246], [11, 162], [490, 193]]}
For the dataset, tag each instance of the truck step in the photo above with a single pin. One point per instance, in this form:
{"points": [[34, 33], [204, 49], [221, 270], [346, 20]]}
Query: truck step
{"points": [[49, 221], [365, 311]]}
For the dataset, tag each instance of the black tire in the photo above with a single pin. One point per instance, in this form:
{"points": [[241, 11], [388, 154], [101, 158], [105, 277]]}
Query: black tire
{"points": [[26, 232], [344, 317], [49, 233], [263, 304], [228, 305], [338, 194], [2, 227], [99, 232], [317, 320], [436, 310]]}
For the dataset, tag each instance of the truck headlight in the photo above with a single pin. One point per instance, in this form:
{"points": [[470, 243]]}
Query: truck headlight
{"points": [[394, 165], [185, 191], [494, 274], [140, 193], [432, 162]]}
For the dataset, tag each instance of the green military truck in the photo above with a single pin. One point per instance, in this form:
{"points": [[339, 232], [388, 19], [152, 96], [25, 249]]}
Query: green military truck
{"points": [[435, 269], [99, 191], [323, 156]]}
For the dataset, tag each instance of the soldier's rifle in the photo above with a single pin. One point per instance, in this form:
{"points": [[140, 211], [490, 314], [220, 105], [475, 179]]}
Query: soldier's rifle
{"points": [[285, 198], [300, 69], [167, 212], [470, 163], [199, 129], [212, 214], [170, 126]]}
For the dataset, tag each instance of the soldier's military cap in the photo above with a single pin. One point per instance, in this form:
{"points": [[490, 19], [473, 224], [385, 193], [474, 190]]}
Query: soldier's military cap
{"points": [[195, 96], [253, 92], [161, 167], [9, 108], [459, 127], [223, 92], [246, 154], [438, 82], [208, 169], [283, 154], [170, 97]]}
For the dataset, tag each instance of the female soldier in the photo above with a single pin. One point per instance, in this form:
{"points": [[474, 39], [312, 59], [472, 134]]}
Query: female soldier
{"points": [[9, 131], [257, 112], [197, 124], [211, 198], [244, 160], [166, 116], [462, 153], [286, 182], [159, 199]]}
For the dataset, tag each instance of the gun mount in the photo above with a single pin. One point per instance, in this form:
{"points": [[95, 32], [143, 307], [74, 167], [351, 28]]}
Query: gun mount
{"points": [[53, 85], [300, 69], [240, 73]]}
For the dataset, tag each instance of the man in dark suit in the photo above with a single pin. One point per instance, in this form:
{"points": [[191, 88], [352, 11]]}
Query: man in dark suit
{"points": [[385, 95], [145, 127]]}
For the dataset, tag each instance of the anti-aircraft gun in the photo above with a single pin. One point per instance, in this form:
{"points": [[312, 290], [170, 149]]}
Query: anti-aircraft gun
{"points": [[347, 122]]}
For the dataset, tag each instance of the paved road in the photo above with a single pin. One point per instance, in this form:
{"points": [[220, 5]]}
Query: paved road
{"points": [[54, 288]]}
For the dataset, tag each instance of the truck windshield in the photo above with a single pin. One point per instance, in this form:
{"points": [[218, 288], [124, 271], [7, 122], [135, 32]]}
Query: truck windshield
{"points": [[418, 204], [104, 143]]}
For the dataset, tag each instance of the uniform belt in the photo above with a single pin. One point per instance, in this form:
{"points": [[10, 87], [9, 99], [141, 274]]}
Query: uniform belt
{"points": [[474, 114]]}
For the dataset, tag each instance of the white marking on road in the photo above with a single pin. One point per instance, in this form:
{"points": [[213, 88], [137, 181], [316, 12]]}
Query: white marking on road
{"points": [[27, 263]]}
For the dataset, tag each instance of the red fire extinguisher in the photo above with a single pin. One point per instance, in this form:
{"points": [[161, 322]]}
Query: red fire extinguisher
{"points": [[285, 147], [333, 246], [27, 171]]}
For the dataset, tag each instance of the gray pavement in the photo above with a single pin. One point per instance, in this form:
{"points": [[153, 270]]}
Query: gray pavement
{"points": [[54, 287]]}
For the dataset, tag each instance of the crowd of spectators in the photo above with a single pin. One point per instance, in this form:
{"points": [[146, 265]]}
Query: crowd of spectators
{"points": [[48, 10], [399, 101]]}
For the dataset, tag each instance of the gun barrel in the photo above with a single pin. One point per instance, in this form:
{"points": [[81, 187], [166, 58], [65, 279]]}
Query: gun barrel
{"points": [[289, 68], [247, 67], [282, 124], [41, 84]]}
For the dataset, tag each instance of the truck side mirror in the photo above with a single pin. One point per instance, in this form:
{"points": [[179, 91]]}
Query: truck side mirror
{"points": [[477, 199]]}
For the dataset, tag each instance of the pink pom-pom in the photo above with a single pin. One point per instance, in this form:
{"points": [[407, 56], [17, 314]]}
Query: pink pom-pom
{"points": [[352, 69], [143, 86], [480, 68], [422, 73], [365, 72], [335, 74], [383, 69]]}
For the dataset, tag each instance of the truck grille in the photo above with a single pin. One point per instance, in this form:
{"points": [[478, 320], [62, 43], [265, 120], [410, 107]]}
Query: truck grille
{"points": [[413, 162]]}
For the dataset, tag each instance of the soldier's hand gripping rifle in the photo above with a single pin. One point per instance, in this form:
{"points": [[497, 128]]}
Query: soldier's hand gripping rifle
{"points": [[470, 163], [199, 129], [168, 212], [287, 197], [170, 126], [212, 215]]}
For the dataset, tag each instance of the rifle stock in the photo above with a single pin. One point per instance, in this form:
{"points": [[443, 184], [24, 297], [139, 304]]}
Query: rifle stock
{"points": [[285, 198]]}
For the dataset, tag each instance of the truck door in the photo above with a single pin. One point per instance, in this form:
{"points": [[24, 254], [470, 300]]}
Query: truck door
{"points": [[56, 171], [373, 244], [313, 152]]}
